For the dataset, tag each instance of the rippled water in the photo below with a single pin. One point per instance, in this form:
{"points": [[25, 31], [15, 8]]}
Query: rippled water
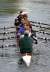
{"points": [[39, 10]]}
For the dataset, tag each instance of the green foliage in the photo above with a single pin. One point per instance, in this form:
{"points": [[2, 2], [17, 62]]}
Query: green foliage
{"points": [[8, 10], [12, 1]]}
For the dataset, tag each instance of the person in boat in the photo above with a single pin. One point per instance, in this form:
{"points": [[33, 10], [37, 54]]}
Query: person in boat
{"points": [[25, 44], [24, 25], [28, 26], [21, 27], [18, 20], [31, 33], [26, 21], [20, 31]]}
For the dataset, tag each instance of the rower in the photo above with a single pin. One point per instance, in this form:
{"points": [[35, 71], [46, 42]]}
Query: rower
{"points": [[26, 21], [25, 44], [20, 16], [18, 20]]}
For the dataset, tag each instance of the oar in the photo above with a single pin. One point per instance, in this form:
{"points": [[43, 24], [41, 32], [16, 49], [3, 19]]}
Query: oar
{"points": [[7, 32], [40, 31], [7, 27], [31, 22], [8, 38], [40, 23], [11, 45], [14, 37], [4, 28]]}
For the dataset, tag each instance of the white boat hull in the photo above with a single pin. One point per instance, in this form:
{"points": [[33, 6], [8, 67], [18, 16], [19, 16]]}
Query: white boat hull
{"points": [[27, 59]]}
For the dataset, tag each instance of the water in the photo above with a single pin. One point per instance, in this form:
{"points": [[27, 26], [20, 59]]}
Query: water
{"points": [[39, 11]]}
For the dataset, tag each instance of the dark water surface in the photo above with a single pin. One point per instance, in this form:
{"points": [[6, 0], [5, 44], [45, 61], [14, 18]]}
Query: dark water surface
{"points": [[39, 11]]}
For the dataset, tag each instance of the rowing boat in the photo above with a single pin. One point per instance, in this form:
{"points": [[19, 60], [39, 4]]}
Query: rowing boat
{"points": [[25, 44], [27, 59]]}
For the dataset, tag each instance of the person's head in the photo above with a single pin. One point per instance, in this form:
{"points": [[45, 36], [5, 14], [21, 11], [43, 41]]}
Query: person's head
{"points": [[21, 12], [25, 16]]}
